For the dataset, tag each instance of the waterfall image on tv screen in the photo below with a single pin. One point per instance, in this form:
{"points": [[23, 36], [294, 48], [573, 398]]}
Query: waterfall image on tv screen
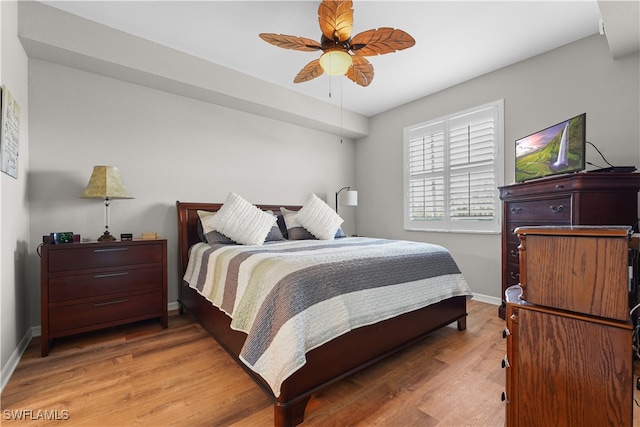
{"points": [[555, 150]]}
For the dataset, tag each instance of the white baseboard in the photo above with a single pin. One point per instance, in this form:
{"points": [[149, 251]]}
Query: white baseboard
{"points": [[13, 361], [487, 298]]}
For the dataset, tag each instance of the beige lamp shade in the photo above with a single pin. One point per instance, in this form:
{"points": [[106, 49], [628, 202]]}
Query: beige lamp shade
{"points": [[105, 183]]}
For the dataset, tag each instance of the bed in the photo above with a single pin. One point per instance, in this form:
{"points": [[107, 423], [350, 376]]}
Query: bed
{"points": [[327, 359]]}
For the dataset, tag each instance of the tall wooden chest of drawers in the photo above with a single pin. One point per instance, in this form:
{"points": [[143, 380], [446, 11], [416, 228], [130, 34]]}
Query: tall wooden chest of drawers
{"points": [[578, 199], [569, 355], [88, 286]]}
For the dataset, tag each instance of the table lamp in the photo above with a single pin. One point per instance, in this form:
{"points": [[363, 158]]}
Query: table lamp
{"points": [[105, 183]]}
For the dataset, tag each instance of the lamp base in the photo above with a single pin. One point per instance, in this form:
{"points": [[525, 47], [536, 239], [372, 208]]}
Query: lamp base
{"points": [[106, 237]]}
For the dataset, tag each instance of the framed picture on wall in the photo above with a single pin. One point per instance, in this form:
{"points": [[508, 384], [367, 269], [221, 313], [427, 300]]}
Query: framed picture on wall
{"points": [[9, 133]]}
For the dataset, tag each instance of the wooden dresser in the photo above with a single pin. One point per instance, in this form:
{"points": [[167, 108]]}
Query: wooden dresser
{"points": [[569, 336], [577, 199], [88, 286]]}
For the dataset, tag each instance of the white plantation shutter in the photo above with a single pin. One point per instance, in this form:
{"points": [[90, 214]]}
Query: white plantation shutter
{"points": [[426, 168], [452, 171]]}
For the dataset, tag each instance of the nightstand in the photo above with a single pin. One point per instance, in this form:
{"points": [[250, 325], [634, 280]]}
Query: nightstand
{"points": [[89, 286]]}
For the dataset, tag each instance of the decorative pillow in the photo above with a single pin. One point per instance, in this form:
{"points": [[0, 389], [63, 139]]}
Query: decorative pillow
{"points": [[201, 236], [291, 228], [209, 233], [295, 231], [283, 226], [243, 222], [319, 219], [275, 234]]}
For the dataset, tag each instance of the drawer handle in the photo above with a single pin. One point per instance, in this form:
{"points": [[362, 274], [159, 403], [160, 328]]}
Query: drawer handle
{"points": [[505, 363], [515, 254], [556, 209], [110, 249], [515, 276], [506, 332], [119, 301], [102, 276], [516, 210], [559, 186]]}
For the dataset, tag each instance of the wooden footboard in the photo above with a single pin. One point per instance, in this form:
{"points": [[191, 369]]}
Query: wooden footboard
{"points": [[358, 349], [332, 361], [335, 360]]}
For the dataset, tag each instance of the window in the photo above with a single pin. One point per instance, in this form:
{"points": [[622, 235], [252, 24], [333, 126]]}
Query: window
{"points": [[453, 166]]}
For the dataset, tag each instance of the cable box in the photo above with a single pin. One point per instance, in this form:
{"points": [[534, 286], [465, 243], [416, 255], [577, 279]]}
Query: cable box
{"points": [[616, 169]]}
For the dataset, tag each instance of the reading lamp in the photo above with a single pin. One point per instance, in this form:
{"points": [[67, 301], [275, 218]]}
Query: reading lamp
{"points": [[348, 198], [105, 183]]}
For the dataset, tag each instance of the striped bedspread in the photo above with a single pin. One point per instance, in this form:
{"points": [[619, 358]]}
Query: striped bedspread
{"points": [[291, 297]]}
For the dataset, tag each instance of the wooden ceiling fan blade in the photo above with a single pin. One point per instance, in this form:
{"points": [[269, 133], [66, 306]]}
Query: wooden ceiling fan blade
{"points": [[380, 41], [336, 19], [361, 71], [309, 72], [291, 42]]}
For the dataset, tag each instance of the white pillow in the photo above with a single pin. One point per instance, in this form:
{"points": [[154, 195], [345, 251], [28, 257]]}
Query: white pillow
{"points": [[319, 219], [295, 230], [242, 222]]}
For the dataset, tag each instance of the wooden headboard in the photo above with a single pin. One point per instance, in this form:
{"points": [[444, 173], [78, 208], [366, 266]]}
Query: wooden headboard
{"points": [[188, 225]]}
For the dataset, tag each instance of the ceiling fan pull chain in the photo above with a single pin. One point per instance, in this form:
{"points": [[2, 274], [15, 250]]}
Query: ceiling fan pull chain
{"points": [[340, 111]]}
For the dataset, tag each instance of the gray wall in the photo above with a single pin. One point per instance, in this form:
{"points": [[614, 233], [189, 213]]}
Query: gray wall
{"points": [[539, 92], [14, 210], [167, 148]]}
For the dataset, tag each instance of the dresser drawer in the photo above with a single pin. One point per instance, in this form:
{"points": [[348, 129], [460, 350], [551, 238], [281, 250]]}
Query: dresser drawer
{"points": [[101, 313], [537, 211], [584, 273], [62, 288], [102, 255]]}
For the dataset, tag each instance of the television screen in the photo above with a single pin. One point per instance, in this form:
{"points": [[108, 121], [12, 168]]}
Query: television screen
{"points": [[555, 150]]}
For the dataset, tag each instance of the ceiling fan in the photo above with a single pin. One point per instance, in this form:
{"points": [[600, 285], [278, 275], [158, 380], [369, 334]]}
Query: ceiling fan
{"points": [[342, 54]]}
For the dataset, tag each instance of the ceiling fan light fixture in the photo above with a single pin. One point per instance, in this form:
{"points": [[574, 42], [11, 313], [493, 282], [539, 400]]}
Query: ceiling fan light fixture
{"points": [[335, 62], [336, 23]]}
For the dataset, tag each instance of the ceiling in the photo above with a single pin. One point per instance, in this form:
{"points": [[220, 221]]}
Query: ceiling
{"points": [[455, 40]]}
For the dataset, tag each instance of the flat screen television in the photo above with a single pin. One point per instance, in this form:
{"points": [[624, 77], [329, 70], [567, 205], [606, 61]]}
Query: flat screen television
{"points": [[555, 150]]}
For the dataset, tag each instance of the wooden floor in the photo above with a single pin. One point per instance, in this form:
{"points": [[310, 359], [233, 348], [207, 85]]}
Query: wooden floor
{"points": [[142, 375]]}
